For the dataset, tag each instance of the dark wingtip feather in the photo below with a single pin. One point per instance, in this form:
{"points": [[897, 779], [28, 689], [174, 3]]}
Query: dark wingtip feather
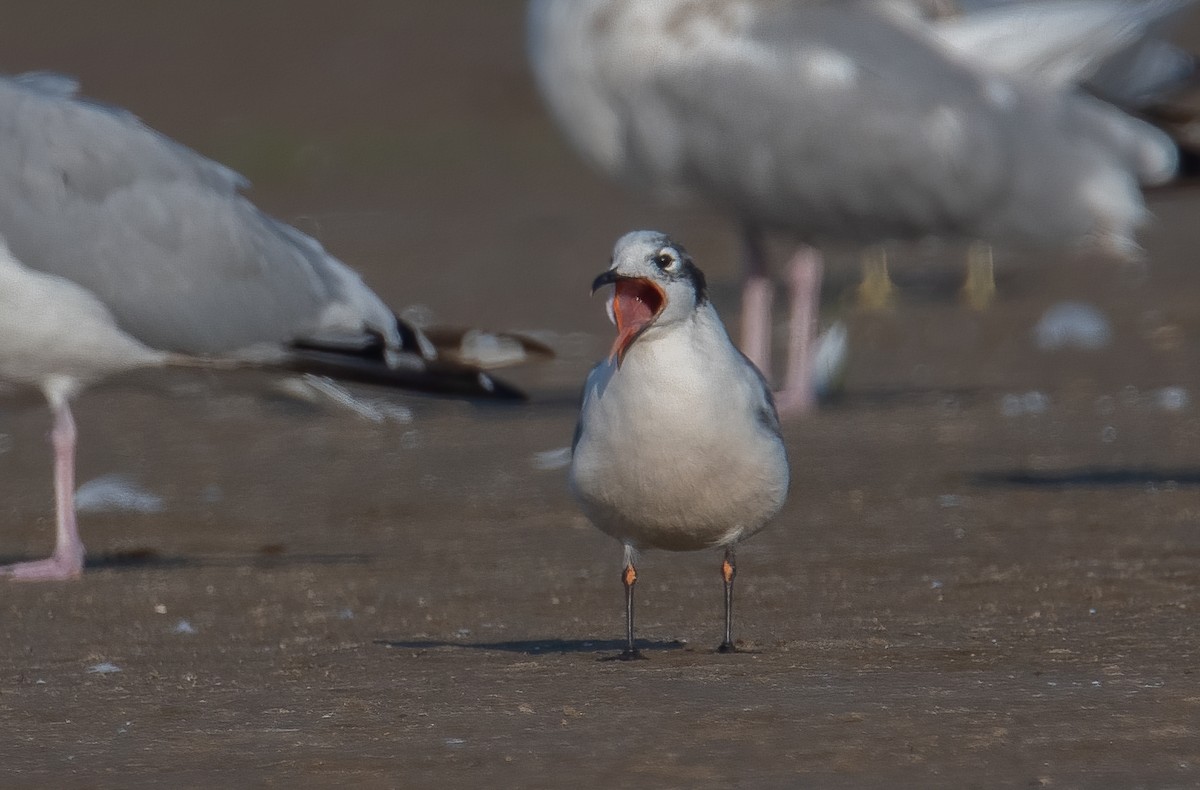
{"points": [[367, 362], [430, 376]]}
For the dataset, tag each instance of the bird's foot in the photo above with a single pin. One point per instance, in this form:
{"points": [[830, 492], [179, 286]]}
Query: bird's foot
{"points": [[62, 566], [979, 290], [876, 293], [628, 654]]}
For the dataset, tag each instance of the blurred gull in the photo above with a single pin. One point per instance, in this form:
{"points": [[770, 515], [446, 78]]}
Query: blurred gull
{"points": [[120, 249], [1114, 48], [856, 121]]}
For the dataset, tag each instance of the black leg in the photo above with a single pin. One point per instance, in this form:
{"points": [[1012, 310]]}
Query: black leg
{"points": [[728, 571], [629, 578]]}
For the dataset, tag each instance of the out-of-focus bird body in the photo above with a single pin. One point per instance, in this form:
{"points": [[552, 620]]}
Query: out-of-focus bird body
{"points": [[120, 248], [838, 123], [850, 122]]}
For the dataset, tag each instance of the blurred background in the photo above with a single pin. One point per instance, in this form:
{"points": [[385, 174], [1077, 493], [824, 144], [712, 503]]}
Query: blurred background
{"points": [[961, 505], [408, 138]]}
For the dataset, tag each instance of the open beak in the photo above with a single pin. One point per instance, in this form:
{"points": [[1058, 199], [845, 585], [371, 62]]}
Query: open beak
{"points": [[636, 303]]}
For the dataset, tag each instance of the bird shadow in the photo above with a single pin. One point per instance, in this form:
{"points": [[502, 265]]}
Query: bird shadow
{"points": [[1088, 477], [534, 647], [141, 559], [135, 559], [132, 559]]}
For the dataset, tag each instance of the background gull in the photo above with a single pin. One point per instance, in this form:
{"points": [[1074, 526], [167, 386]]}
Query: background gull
{"points": [[1116, 49], [842, 122], [122, 249], [1112, 49]]}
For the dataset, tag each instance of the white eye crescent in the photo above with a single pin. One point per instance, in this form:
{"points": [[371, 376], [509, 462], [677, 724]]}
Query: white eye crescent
{"points": [[666, 260]]}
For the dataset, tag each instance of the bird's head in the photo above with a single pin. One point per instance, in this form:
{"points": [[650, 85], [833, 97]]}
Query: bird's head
{"points": [[655, 285]]}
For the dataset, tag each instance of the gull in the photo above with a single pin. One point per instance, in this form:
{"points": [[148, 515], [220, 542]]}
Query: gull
{"points": [[842, 122], [1113, 49], [678, 445], [122, 249]]}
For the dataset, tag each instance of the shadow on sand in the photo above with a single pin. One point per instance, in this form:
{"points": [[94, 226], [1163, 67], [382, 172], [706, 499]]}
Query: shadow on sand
{"points": [[151, 559], [534, 647], [1088, 477]]}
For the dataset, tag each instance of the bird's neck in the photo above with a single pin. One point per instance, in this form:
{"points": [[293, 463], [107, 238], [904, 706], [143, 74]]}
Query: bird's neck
{"points": [[695, 344]]}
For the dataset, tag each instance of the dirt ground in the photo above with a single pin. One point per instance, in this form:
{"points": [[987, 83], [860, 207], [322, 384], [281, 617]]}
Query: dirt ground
{"points": [[971, 585]]}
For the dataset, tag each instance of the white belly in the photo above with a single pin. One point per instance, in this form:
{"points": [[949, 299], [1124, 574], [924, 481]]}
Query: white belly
{"points": [[674, 455]]}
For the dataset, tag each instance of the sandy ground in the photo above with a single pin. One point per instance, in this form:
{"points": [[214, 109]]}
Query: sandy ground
{"points": [[971, 586]]}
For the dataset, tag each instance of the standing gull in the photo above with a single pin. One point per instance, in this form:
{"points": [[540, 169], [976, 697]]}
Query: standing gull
{"points": [[122, 249], [1113, 49], [678, 444], [837, 122]]}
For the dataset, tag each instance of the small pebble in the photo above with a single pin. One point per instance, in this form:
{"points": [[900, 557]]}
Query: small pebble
{"points": [[1015, 405], [1172, 398], [1072, 325], [115, 493]]}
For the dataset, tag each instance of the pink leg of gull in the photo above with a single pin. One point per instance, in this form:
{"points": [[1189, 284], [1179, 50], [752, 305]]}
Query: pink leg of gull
{"points": [[804, 279], [758, 294], [67, 560]]}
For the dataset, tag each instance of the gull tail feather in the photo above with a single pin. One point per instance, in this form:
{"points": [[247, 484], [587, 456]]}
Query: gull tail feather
{"points": [[417, 365]]}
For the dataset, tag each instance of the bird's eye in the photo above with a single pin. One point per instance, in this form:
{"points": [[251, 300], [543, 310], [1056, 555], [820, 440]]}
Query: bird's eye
{"points": [[665, 261]]}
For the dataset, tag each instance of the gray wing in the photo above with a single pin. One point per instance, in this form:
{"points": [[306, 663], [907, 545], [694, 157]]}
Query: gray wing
{"points": [[160, 234], [765, 412], [1116, 48], [828, 113], [595, 377]]}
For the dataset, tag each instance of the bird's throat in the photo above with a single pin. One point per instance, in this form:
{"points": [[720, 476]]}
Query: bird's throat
{"points": [[637, 302]]}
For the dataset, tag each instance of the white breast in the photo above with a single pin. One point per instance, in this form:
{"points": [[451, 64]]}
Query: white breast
{"points": [[53, 329], [675, 450]]}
